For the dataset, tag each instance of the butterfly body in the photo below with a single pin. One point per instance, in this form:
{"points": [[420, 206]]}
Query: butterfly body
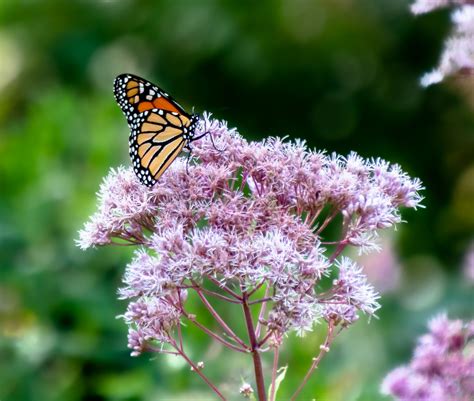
{"points": [[159, 127]]}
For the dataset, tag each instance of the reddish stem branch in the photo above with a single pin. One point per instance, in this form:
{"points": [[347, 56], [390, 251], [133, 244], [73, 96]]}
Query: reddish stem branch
{"points": [[257, 362], [129, 242], [250, 293], [219, 320], [220, 296], [327, 221], [209, 332], [217, 337], [244, 181], [265, 339], [258, 301], [261, 315], [180, 336], [323, 350], [344, 241], [337, 252], [196, 286], [198, 371], [224, 288], [313, 217]]}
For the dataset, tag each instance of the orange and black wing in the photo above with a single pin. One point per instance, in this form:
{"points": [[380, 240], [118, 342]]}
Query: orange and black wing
{"points": [[156, 142], [157, 123], [135, 95]]}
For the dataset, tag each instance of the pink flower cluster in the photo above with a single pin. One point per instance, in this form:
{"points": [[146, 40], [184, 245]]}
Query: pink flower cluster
{"points": [[458, 53], [442, 368], [247, 217], [425, 6]]}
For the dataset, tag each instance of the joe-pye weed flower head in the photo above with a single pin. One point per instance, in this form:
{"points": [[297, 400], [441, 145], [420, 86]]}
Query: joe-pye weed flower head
{"points": [[261, 224], [442, 368], [458, 54]]}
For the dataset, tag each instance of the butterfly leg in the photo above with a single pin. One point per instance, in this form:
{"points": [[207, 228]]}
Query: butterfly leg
{"points": [[212, 140], [214, 145], [195, 138], [188, 148]]}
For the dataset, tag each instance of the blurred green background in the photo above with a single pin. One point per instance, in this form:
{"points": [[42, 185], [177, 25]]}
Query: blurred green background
{"points": [[341, 73]]}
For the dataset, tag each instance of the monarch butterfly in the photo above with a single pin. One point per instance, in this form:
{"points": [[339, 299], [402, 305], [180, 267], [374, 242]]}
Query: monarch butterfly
{"points": [[159, 127]]}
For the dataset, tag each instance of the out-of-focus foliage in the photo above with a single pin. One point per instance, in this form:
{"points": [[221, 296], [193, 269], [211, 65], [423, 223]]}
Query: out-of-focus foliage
{"points": [[342, 74]]}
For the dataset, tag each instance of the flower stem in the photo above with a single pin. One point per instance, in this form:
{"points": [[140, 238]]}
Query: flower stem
{"points": [[257, 287], [215, 336], [198, 371], [259, 301], [337, 252], [313, 216], [196, 286], [223, 287], [276, 353], [219, 320], [257, 362], [323, 350], [327, 221], [209, 332], [261, 315], [180, 336], [266, 338]]}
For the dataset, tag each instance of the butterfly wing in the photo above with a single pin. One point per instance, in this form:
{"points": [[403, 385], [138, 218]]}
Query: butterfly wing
{"points": [[135, 95], [156, 142], [158, 126]]}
